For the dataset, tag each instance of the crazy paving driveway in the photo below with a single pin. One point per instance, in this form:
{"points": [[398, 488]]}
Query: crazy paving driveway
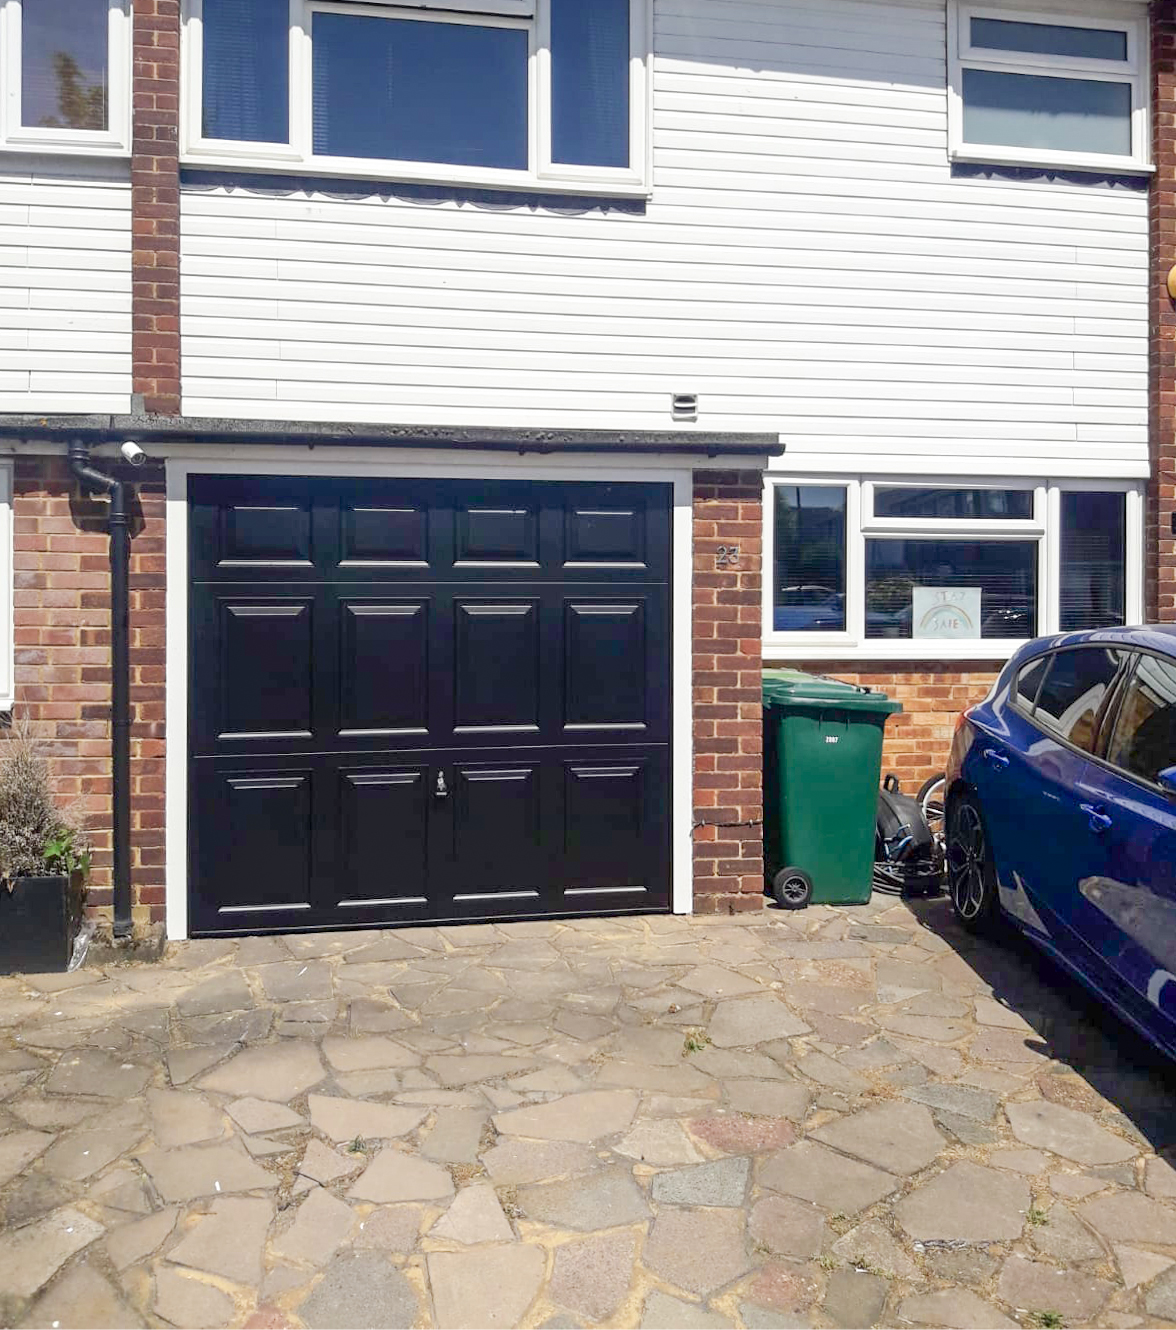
{"points": [[848, 1117]]}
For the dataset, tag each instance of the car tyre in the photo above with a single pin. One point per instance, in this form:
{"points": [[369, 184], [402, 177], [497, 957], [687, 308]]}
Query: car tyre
{"points": [[971, 872], [792, 888]]}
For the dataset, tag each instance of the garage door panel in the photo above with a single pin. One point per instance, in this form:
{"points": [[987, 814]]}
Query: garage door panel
{"points": [[255, 846], [384, 667], [614, 814], [604, 664], [596, 535], [496, 666], [497, 533], [265, 668], [380, 809], [376, 535]]}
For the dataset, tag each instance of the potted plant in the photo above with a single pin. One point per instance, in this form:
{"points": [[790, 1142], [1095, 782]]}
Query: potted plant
{"points": [[44, 859]]}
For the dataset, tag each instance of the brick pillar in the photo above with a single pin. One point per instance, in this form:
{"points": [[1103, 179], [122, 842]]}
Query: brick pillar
{"points": [[728, 738], [1160, 544], [155, 206]]}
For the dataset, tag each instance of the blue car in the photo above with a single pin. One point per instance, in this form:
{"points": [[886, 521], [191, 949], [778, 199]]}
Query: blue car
{"points": [[1061, 814]]}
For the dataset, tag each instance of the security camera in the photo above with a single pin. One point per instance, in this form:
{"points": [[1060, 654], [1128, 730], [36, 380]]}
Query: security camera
{"points": [[133, 453]]}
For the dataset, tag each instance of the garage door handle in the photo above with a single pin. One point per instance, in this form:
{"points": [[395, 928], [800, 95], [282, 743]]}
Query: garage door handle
{"points": [[995, 759], [441, 790], [1099, 821]]}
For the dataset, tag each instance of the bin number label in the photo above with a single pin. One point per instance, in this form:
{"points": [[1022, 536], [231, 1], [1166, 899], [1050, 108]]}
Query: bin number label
{"points": [[832, 739]]}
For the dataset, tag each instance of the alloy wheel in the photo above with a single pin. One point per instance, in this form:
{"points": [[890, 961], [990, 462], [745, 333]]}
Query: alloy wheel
{"points": [[967, 859]]}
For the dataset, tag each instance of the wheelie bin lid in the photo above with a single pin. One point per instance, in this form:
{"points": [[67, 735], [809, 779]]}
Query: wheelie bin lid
{"points": [[785, 688]]}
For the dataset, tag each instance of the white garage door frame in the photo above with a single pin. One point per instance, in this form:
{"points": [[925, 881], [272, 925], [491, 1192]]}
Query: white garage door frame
{"points": [[182, 462]]}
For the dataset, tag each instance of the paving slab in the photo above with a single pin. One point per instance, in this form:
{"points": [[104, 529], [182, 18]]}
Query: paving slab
{"points": [[964, 1100], [361, 1291], [492, 1287], [775, 1099], [222, 993], [1037, 1287], [872, 1245], [396, 1176], [699, 1251], [580, 1117], [31, 1256], [18, 1149], [475, 1216], [733, 1133], [593, 1276], [228, 1240], [322, 1224], [259, 1115], [788, 1227], [189, 1303], [97, 1074], [1130, 1217], [279, 1072], [1063, 1237], [129, 1243], [391, 1228], [512, 1162], [180, 1118], [1138, 1266], [815, 1173], [1068, 1133], [722, 1183], [900, 1138], [320, 1166], [368, 1053], [956, 1308], [967, 1203], [713, 981], [603, 1199], [854, 1298], [81, 1300], [665, 1313], [753, 1020], [204, 1170], [661, 1144], [455, 1136], [346, 1119], [80, 1154]]}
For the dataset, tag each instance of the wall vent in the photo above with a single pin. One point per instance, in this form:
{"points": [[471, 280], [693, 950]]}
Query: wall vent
{"points": [[685, 406]]}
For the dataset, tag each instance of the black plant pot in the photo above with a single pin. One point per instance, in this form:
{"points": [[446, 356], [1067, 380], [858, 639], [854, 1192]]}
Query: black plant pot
{"points": [[39, 920]]}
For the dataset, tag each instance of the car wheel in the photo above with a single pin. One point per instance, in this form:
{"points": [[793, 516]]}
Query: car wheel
{"points": [[792, 888], [971, 874]]}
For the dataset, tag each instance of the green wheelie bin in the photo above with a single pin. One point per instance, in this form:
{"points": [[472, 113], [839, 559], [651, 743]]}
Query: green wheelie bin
{"points": [[822, 767]]}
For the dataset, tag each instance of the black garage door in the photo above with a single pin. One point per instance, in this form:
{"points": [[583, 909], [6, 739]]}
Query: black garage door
{"points": [[423, 700]]}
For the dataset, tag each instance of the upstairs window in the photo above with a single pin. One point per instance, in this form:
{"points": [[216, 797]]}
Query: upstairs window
{"points": [[65, 75], [543, 94], [1048, 89]]}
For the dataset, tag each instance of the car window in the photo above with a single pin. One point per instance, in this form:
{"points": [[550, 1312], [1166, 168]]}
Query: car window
{"points": [[1144, 738], [1029, 681], [1074, 691]]}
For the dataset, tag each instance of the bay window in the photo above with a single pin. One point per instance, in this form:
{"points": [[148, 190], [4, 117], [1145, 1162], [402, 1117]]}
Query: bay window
{"points": [[909, 570], [65, 75], [547, 94], [1048, 89]]}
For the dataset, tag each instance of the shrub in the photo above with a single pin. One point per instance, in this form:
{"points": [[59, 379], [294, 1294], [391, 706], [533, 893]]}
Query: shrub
{"points": [[38, 838]]}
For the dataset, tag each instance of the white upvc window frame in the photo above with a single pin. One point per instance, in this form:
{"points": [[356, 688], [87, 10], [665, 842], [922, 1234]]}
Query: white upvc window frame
{"points": [[1043, 527], [1134, 71], [113, 141], [7, 599], [541, 174]]}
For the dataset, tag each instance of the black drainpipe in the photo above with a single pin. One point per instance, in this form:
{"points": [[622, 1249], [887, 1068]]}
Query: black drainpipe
{"points": [[92, 480]]}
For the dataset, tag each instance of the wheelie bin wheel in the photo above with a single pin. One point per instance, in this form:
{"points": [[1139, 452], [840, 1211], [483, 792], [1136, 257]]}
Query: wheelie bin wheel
{"points": [[792, 888]]}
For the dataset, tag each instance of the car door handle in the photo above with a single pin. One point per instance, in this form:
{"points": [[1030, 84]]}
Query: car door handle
{"points": [[996, 760], [1099, 821]]}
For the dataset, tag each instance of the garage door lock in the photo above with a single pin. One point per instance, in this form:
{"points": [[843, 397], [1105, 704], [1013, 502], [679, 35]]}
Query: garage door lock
{"points": [[441, 790]]}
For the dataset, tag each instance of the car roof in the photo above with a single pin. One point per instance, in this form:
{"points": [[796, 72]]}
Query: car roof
{"points": [[1154, 637]]}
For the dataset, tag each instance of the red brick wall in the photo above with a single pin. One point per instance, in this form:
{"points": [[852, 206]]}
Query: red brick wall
{"points": [[932, 693], [62, 624], [155, 206], [728, 740]]}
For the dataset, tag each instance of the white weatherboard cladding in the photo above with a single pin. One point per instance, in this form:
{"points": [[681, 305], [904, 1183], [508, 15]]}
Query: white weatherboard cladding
{"points": [[807, 264], [65, 292]]}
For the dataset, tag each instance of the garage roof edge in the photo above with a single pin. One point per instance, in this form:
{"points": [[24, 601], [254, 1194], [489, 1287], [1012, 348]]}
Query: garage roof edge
{"points": [[192, 429]]}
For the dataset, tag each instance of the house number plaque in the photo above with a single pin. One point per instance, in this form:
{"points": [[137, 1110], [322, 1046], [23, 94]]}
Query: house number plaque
{"points": [[727, 556]]}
